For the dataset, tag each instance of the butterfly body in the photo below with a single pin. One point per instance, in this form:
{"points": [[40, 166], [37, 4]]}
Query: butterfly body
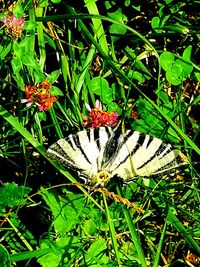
{"points": [[102, 153]]}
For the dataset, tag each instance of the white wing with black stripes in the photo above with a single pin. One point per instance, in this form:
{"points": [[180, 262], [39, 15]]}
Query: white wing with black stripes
{"points": [[101, 153]]}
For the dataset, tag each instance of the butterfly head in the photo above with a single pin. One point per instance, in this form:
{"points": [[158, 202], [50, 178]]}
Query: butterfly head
{"points": [[101, 179]]}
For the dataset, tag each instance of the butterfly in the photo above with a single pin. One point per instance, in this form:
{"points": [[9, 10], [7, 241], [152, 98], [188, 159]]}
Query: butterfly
{"points": [[99, 154]]}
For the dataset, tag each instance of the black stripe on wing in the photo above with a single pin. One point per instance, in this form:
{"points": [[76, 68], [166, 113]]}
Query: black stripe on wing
{"points": [[79, 144], [112, 146], [56, 152], [124, 139], [159, 150]]}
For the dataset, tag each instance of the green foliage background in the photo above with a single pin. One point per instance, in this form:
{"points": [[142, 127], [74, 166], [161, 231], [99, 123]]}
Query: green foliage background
{"points": [[136, 57]]}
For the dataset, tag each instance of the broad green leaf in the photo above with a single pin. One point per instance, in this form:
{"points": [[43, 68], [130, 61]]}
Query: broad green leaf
{"points": [[4, 49], [11, 195], [183, 68], [137, 76], [96, 253], [64, 209], [187, 53], [155, 23], [89, 227], [118, 16], [166, 60], [100, 86], [173, 78], [42, 116], [18, 10], [97, 24], [112, 106], [152, 123], [164, 96], [19, 80], [56, 91], [97, 247], [29, 25], [50, 260]]}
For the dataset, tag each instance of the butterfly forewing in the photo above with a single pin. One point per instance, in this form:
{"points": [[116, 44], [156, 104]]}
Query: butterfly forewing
{"points": [[82, 151]]}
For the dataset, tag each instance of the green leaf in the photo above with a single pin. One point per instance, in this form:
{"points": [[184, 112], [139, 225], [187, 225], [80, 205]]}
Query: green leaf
{"points": [[177, 28], [116, 28], [100, 86], [16, 64], [96, 253], [166, 60], [173, 78], [89, 227], [64, 209], [42, 116], [187, 53], [11, 195], [4, 257], [56, 91], [54, 76], [155, 23], [196, 100], [137, 76], [18, 10], [197, 75], [97, 247], [56, 1], [152, 123], [29, 25], [50, 260], [182, 68]]}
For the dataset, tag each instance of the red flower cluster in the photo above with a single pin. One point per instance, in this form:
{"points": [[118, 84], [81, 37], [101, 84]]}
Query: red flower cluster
{"points": [[14, 26], [98, 118], [39, 95]]}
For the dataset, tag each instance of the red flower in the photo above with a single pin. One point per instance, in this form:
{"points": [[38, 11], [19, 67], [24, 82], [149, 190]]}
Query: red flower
{"points": [[98, 118], [40, 96], [14, 26]]}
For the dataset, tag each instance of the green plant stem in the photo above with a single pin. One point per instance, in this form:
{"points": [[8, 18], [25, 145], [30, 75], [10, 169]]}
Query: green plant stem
{"points": [[160, 245], [133, 232], [55, 122], [112, 232], [20, 235], [41, 43], [86, 67], [97, 24]]}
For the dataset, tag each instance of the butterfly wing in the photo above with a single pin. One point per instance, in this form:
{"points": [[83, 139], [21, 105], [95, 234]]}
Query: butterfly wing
{"points": [[137, 154], [102, 150], [82, 151]]}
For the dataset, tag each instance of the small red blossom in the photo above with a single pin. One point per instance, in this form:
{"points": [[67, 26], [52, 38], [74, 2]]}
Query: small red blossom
{"points": [[39, 95], [14, 26], [98, 117]]}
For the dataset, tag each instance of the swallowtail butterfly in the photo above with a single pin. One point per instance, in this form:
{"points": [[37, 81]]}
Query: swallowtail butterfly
{"points": [[99, 154]]}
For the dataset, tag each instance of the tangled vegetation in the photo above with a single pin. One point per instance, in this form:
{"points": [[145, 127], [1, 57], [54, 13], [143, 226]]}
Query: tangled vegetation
{"points": [[135, 61]]}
